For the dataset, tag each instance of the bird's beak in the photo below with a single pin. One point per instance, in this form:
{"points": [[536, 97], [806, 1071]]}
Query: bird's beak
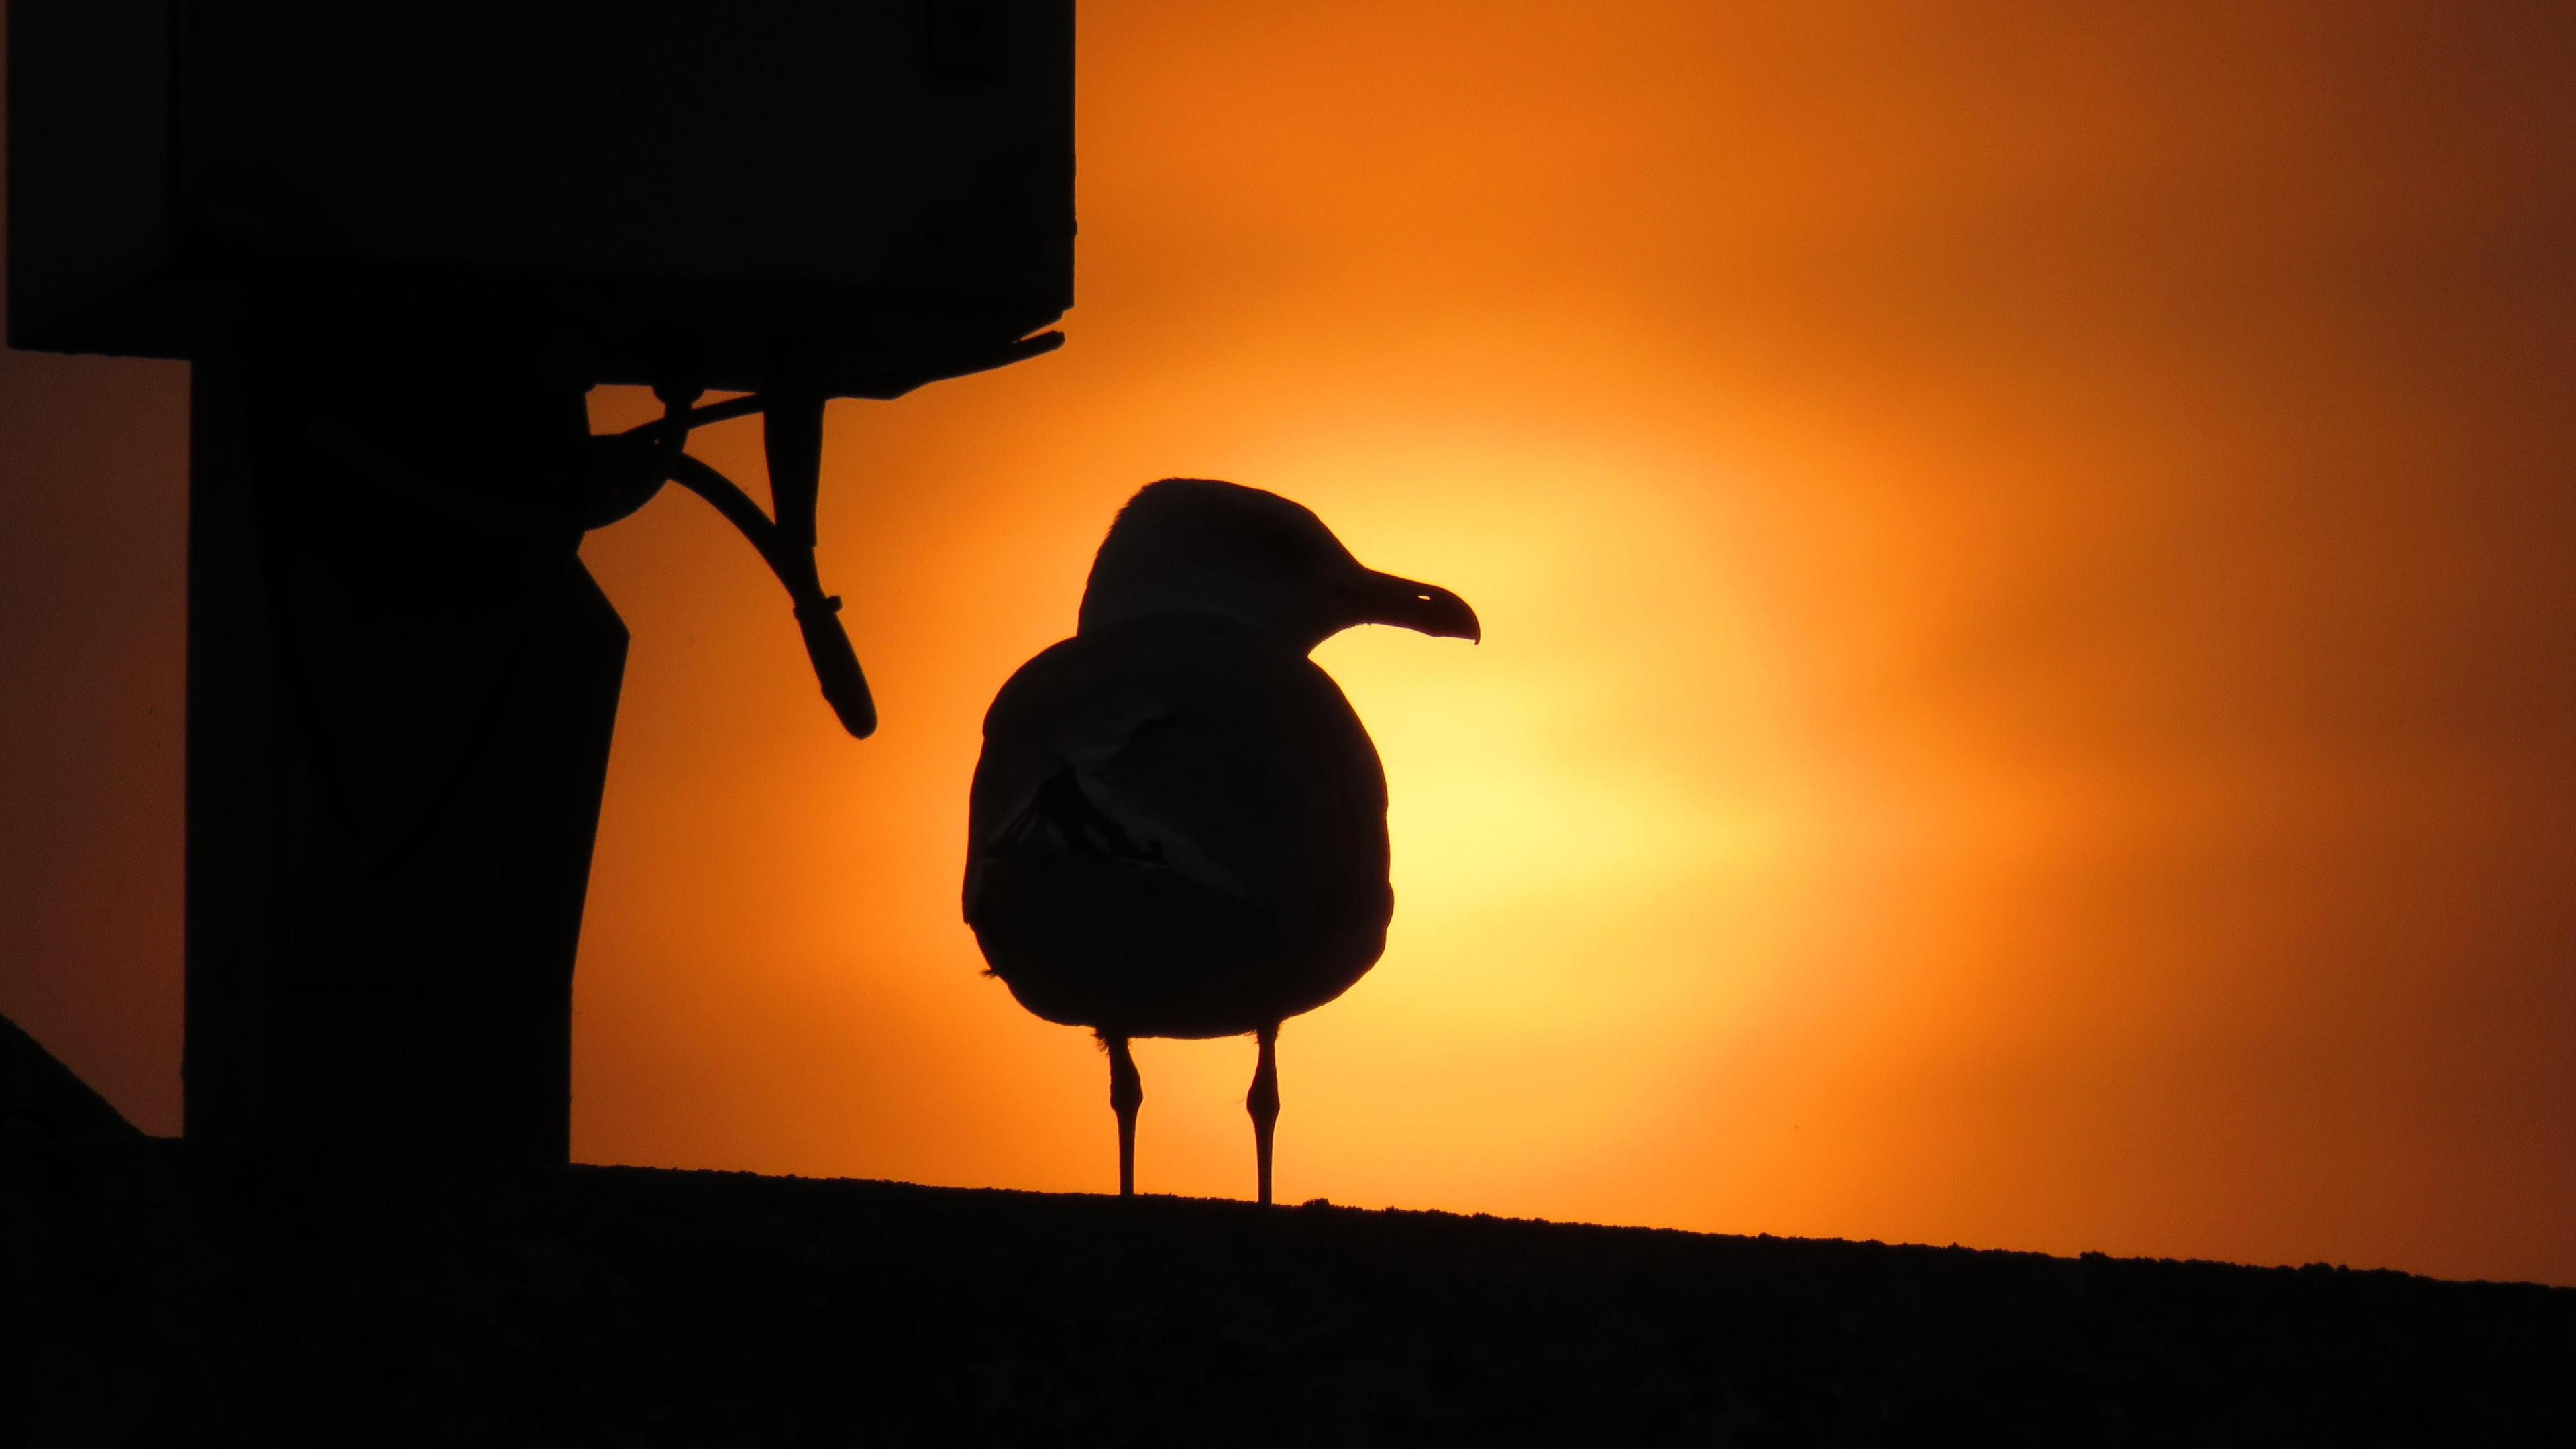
{"points": [[1409, 604]]}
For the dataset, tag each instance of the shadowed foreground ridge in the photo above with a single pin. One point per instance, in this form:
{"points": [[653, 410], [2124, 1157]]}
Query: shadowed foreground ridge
{"points": [[637, 1306]]}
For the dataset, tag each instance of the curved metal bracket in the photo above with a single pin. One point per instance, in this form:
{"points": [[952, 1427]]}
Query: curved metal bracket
{"points": [[632, 466]]}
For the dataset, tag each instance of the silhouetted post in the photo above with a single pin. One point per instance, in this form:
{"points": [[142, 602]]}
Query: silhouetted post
{"points": [[401, 689], [399, 244]]}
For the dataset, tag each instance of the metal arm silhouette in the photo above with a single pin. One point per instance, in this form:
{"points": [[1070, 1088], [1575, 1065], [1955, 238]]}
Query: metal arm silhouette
{"points": [[636, 463]]}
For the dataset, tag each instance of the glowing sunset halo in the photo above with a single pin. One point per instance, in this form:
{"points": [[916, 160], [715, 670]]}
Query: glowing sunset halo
{"points": [[2025, 689]]}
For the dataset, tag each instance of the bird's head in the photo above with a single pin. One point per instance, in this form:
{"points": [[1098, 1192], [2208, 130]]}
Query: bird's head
{"points": [[1196, 546]]}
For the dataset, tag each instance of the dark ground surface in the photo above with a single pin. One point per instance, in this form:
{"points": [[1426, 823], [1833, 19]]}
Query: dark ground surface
{"points": [[157, 1296]]}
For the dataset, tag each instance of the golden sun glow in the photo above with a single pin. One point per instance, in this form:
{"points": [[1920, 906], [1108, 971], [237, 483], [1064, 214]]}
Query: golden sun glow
{"points": [[1902, 791], [2025, 689]]}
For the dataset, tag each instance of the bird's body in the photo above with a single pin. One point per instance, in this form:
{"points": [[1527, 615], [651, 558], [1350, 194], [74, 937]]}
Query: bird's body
{"points": [[1178, 826], [1177, 833]]}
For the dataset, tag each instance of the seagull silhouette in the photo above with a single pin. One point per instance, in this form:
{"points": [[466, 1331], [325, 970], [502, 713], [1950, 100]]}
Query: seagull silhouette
{"points": [[1178, 826]]}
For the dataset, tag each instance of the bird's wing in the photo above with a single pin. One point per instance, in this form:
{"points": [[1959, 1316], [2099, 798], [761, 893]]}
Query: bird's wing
{"points": [[1171, 752], [1084, 788]]}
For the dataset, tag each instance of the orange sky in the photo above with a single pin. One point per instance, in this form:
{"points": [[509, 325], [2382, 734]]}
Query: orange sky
{"points": [[2027, 678]]}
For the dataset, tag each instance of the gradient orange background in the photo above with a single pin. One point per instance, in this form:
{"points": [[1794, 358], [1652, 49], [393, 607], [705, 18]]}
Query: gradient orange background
{"points": [[2027, 695]]}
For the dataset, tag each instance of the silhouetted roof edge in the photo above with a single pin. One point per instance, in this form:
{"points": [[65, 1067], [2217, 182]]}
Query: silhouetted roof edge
{"points": [[39, 1094]]}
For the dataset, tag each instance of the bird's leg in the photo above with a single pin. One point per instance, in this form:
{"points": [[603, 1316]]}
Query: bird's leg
{"points": [[1263, 1102], [1126, 1094]]}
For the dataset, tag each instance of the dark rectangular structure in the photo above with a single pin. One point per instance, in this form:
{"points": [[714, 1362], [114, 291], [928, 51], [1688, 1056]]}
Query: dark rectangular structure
{"points": [[876, 193]]}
